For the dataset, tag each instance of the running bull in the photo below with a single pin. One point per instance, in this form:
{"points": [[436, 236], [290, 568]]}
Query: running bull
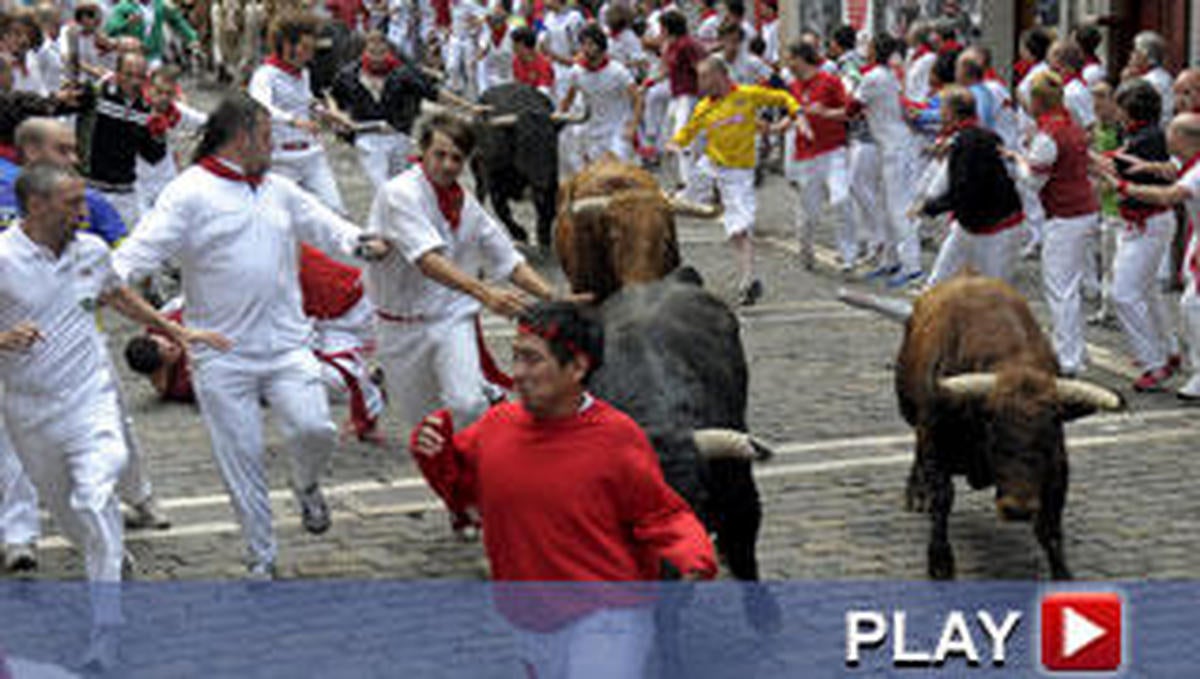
{"points": [[673, 361], [978, 381], [518, 148], [617, 227]]}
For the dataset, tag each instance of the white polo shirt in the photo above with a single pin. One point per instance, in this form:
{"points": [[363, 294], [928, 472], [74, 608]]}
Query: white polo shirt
{"points": [[879, 93], [606, 93], [59, 295], [406, 212], [238, 248]]}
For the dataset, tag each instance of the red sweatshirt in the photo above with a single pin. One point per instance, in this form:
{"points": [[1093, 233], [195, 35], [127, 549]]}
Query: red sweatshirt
{"points": [[580, 498]]}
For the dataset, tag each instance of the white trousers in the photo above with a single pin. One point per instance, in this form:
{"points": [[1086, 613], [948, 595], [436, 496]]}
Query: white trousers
{"points": [[1136, 299], [865, 184], [460, 66], [383, 156], [679, 111], [228, 388], [1189, 314], [658, 99], [345, 341], [818, 180], [736, 188], [72, 447], [897, 167], [993, 255], [1064, 246], [432, 365], [595, 141], [19, 521], [310, 169], [601, 645]]}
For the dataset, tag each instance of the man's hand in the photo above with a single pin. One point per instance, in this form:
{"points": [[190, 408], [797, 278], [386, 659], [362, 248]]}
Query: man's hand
{"points": [[508, 303], [780, 126], [631, 131], [372, 248], [21, 337], [672, 147], [305, 125], [579, 298], [430, 441]]}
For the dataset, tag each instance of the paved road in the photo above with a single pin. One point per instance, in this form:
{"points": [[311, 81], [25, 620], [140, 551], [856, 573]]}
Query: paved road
{"points": [[820, 390]]}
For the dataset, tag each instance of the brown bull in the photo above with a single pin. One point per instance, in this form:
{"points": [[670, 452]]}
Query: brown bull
{"points": [[616, 227], [977, 380]]}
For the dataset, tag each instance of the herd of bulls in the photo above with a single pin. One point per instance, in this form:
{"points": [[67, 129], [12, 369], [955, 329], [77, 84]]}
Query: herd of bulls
{"points": [[975, 377]]}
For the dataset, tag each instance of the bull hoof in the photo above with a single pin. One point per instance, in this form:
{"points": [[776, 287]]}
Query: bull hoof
{"points": [[941, 562]]}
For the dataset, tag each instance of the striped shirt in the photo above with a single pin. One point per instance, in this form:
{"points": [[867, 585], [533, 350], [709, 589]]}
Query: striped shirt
{"points": [[59, 295]]}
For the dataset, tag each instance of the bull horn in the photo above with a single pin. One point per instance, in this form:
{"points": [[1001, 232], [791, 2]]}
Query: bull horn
{"points": [[507, 120], [432, 73], [1087, 393], [590, 204], [968, 385], [718, 444], [892, 309], [569, 118], [687, 208]]}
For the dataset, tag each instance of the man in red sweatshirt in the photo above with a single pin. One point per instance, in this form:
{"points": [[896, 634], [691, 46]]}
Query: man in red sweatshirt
{"points": [[567, 488]]}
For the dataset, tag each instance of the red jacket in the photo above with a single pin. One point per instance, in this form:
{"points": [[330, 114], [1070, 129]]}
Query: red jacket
{"points": [[827, 90]]}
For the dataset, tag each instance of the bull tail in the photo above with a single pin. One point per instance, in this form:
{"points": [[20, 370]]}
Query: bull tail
{"points": [[893, 309]]}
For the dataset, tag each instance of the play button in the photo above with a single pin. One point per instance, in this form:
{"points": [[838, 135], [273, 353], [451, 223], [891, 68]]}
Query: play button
{"points": [[1081, 631], [1078, 632]]}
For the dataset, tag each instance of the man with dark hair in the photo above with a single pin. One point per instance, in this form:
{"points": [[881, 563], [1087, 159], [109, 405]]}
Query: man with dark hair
{"points": [[1035, 45], [1088, 38], [877, 99], [566, 488], [529, 66], [612, 96], [817, 164], [426, 292], [681, 56], [282, 85], [236, 229], [1067, 60]]}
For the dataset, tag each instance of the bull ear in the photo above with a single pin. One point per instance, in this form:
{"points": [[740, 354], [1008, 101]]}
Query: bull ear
{"points": [[1078, 398], [968, 385]]}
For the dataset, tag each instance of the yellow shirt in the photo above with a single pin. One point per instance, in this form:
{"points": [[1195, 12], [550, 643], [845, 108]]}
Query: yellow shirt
{"points": [[731, 123]]}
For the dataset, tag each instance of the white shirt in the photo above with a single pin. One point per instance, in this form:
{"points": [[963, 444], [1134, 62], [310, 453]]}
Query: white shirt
{"points": [[879, 93], [239, 252], [770, 36], [50, 64], [1042, 155], [606, 93], [1191, 182], [405, 211], [59, 295], [707, 31], [288, 98], [627, 49], [29, 80], [88, 52], [466, 16], [496, 67], [1093, 73], [1162, 81], [916, 78], [1006, 113], [1078, 100], [561, 34], [750, 69]]}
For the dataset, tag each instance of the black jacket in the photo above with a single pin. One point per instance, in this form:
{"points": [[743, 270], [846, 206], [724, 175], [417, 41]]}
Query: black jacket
{"points": [[399, 103], [1148, 143], [120, 135], [981, 192]]}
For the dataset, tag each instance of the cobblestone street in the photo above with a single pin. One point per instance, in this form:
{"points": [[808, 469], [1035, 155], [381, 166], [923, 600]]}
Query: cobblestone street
{"points": [[821, 392]]}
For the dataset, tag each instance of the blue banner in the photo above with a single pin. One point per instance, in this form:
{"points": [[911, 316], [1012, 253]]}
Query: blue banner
{"points": [[469, 629]]}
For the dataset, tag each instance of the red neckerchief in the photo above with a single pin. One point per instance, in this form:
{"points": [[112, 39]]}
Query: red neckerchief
{"points": [[991, 75], [954, 128], [390, 63], [218, 167], [159, 123], [921, 51], [1068, 78], [1021, 68], [950, 46], [282, 65], [9, 153], [1091, 60], [1191, 162], [868, 69], [498, 33], [450, 200], [587, 66], [707, 14], [1053, 118], [1135, 126]]}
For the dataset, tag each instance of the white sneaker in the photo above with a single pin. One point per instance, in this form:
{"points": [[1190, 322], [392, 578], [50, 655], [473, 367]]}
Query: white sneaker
{"points": [[1191, 391], [263, 571], [314, 512], [101, 654], [20, 558]]}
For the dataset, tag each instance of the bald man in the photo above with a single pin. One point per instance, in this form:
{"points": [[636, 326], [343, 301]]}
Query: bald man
{"points": [[1183, 141], [1187, 91]]}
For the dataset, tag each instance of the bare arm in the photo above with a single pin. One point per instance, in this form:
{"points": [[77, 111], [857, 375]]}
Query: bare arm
{"points": [[130, 305], [504, 302]]}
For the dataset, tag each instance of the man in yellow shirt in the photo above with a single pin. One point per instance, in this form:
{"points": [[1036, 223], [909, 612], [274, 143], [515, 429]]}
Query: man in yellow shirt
{"points": [[728, 115]]}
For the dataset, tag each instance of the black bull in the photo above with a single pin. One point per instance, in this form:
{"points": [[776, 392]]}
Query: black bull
{"points": [[519, 155], [674, 362]]}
